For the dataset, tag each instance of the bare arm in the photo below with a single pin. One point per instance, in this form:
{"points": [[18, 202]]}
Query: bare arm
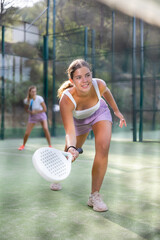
{"points": [[66, 108], [106, 93], [26, 107]]}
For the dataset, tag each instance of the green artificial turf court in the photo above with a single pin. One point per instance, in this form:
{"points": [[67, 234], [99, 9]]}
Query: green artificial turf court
{"points": [[31, 211]]}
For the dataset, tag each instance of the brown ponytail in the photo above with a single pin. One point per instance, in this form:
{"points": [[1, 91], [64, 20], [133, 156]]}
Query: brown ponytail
{"points": [[64, 86], [28, 94]]}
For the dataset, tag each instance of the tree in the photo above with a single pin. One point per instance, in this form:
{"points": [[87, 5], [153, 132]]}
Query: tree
{"points": [[7, 11]]}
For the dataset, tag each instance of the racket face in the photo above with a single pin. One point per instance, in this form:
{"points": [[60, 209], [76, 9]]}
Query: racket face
{"points": [[52, 164]]}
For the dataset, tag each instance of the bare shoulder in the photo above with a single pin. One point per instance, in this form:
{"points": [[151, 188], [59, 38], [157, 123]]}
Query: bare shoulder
{"points": [[101, 84], [66, 109], [26, 102], [66, 103]]}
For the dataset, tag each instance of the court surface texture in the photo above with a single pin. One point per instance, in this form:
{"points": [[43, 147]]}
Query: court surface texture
{"points": [[31, 211]]}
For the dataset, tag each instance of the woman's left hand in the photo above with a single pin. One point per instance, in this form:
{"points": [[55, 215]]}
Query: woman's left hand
{"points": [[34, 112], [122, 119], [122, 122]]}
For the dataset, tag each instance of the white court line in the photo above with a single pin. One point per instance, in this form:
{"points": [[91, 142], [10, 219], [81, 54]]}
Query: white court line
{"points": [[79, 160], [115, 171], [30, 155], [10, 148], [16, 154], [19, 154], [148, 167], [16, 148]]}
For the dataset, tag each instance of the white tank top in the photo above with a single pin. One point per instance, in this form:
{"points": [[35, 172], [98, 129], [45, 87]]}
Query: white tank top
{"points": [[81, 114]]}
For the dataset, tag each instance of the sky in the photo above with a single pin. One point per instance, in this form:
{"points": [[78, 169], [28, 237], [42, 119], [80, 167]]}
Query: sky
{"points": [[23, 3], [147, 10]]}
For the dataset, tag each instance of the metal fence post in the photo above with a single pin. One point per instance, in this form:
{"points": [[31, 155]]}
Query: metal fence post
{"points": [[85, 43], [53, 132], [141, 83], [113, 44], [134, 81], [154, 100], [93, 53], [45, 77], [3, 84], [45, 58]]}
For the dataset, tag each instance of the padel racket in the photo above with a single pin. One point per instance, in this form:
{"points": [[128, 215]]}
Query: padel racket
{"points": [[52, 164]]}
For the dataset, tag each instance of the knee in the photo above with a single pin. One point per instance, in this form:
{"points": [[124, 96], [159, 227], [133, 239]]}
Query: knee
{"points": [[27, 133], [102, 149], [45, 129]]}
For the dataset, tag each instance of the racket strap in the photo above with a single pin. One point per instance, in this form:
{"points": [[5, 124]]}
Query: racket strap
{"points": [[80, 150], [71, 147]]}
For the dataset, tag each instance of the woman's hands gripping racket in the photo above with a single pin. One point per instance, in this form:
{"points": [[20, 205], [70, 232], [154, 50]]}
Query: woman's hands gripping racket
{"points": [[52, 164]]}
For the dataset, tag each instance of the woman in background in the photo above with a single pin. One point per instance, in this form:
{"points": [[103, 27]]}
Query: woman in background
{"points": [[36, 107]]}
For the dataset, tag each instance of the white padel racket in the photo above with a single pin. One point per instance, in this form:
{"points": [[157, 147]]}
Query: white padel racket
{"points": [[52, 164]]}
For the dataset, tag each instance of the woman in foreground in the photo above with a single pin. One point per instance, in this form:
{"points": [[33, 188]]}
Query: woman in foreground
{"points": [[83, 109]]}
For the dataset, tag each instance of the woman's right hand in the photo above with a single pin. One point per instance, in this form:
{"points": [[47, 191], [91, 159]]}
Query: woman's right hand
{"points": [[74, 153]]}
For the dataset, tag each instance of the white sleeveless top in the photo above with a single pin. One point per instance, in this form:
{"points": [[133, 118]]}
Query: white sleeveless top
{"points": [[81, 114]]}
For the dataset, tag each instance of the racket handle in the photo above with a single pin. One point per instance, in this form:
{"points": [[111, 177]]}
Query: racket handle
{"points": [[80, 150]]}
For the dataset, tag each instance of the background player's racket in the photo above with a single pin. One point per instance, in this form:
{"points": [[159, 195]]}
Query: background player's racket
{"points": [[30, 105], [52, 164]]}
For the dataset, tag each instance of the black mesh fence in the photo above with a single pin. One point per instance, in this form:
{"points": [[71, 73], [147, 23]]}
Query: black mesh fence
{"points": [[113, 63], [23, 66]]}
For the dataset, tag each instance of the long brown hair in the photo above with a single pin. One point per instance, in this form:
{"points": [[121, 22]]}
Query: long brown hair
{"points": [[29, 91], [76, 64]]}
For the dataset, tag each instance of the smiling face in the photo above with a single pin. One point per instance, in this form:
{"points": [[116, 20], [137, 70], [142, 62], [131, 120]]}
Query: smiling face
{"points": [[82, 79]]}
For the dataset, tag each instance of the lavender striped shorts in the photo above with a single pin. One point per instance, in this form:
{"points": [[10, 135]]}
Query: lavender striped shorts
{"points": [[36, 118], [83, 126]]}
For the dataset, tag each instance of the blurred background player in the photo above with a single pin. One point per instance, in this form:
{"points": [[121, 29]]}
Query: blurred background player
{"points": [[36, 108]]}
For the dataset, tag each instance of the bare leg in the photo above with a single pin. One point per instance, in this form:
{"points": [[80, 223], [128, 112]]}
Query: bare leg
{"points": [[102, 131], [28, 131], [46, 131], [80, 141]]}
